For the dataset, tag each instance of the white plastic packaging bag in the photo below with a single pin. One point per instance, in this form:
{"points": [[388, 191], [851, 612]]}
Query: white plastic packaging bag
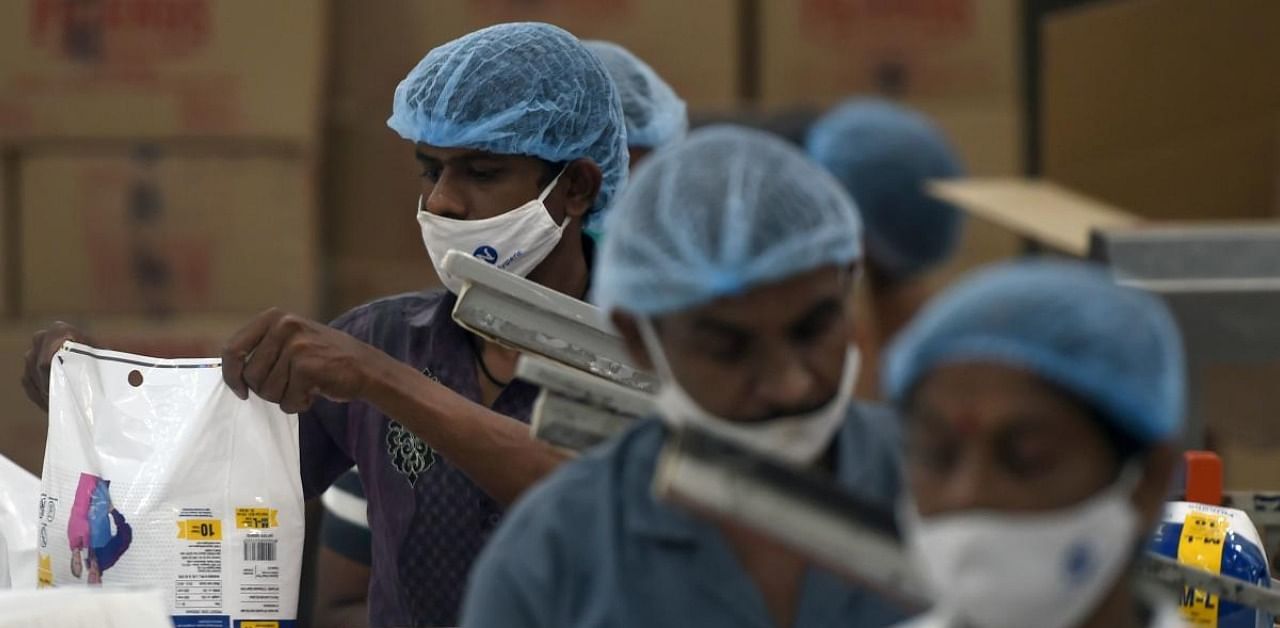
{"points": [[19, 498], [157, 476], [82, 608], [5, 581]]}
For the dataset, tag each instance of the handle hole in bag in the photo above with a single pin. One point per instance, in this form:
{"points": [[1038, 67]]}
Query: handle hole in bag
{"points": [[135, 378]]}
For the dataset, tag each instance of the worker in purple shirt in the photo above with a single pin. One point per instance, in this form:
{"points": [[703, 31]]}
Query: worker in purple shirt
{"points": [[520, 135]]}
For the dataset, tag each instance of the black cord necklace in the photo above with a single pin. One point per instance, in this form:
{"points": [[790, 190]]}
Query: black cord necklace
{"points": [[479, 353]]}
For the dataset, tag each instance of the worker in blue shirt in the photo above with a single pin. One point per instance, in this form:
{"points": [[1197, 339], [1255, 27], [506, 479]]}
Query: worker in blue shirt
{"points": [[729, 270]]}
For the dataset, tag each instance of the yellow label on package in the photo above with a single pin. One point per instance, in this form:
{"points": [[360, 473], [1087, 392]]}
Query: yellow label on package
{"points": [[257, 518], [1203, 537], [44, 571], [259, 624], [200, 529]]}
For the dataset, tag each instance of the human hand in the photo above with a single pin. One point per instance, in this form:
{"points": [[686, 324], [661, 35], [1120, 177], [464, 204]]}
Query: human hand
{"points": [[290, 360]]}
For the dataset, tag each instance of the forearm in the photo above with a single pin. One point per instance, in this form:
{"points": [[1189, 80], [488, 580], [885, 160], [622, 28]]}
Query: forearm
{"points": [[494, 450]]}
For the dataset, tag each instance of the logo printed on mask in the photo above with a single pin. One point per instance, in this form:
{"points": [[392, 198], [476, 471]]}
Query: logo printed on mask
{"points": [[1079, 563], [486, 253]]}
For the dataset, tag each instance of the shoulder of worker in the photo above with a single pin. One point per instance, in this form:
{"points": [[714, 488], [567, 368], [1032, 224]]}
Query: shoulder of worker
{"points": [[869, 452], [557, 544], [410, 309], [577, 507]]}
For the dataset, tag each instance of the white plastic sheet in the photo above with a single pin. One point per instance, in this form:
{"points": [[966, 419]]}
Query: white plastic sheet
{"points": [[82, 608], [157, 476], [19, 498]]}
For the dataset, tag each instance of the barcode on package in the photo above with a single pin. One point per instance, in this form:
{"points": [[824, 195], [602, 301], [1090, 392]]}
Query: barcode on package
{"points": [[260, 549]]}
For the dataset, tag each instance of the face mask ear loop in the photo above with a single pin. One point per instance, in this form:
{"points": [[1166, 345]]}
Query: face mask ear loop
{"points": [[542, 198], [649, 334], [551, 186]]}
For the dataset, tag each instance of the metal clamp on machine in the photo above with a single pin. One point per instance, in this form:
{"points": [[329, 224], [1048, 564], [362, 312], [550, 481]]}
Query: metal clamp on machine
{"points": [[575, 410], [590, 387], [802, 510], [513, 311]]}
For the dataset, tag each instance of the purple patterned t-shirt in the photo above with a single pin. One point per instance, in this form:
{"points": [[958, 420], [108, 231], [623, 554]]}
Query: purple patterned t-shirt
{"points": [[427, 519]]}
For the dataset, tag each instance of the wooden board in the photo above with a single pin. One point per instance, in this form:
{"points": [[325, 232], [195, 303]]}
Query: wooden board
{"points": [[1035, 210]]}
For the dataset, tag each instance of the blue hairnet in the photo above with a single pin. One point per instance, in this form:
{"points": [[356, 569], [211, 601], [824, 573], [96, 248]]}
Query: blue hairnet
{"points": [[517, 89], [712, 216], [655, 115], [884, 154], [1115, 348]]}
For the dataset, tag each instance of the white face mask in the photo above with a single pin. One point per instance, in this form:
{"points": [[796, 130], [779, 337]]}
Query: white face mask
{"points": [[798, 440], [516, 241], [1049, 570]]}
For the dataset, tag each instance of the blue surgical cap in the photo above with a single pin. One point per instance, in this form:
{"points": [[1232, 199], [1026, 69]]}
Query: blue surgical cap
{"points": [[517, 89], [1117, 349], [885, 154], [655, 115], [717, 214]]}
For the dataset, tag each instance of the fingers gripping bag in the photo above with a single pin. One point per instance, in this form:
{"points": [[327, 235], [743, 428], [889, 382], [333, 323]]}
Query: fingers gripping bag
{"points": [[157, 476]]}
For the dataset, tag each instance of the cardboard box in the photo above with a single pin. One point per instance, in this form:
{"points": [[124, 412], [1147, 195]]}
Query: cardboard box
{"points": [[160, 69], [372, 181], [1038, 211], [156, 233], [23, 426], [693, 46], [1169, 108], [957, 60]]}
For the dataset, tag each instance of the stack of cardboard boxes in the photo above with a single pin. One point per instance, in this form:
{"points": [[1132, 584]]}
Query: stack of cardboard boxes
{"points": [[159, 165]]}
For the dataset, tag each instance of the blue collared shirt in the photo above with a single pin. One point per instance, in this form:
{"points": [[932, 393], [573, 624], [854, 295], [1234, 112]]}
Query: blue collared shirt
{"points": [[592, 547]]}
